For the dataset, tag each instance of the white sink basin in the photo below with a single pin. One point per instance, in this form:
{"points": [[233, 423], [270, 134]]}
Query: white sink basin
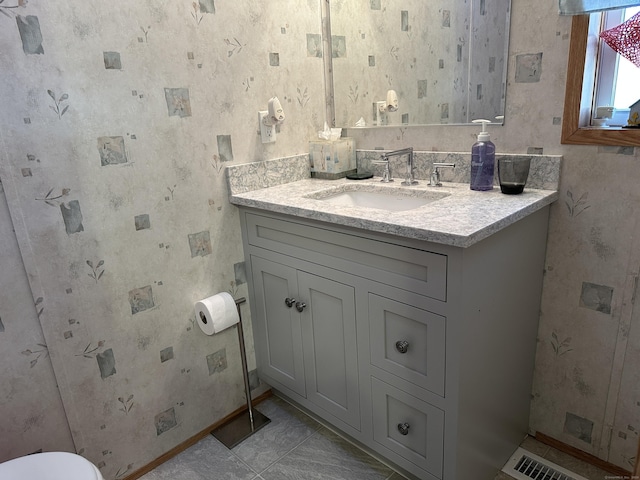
{"points": [[389, 199]]}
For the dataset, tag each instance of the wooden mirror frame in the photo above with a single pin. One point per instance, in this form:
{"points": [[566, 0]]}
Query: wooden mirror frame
{"points": [[578, 97]]}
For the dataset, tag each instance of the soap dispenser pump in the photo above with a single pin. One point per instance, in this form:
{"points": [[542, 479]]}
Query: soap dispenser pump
{"points": [[483, 158]]}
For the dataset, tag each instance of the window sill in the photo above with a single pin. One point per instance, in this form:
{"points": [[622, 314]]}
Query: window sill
{"points": [[624, 137]]}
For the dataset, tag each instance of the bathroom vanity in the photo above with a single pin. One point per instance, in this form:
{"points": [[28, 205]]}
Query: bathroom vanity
{"points": [[413, 333]]}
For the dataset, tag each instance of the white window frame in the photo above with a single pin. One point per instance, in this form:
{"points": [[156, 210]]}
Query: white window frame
{"points": [[607, 73]]}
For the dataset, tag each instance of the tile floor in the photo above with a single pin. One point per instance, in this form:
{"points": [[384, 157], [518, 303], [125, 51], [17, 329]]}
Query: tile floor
{"points": [[295, 446]]}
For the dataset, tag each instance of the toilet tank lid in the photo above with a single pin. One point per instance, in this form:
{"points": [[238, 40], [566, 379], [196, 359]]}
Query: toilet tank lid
{"points": [[49, 466]]}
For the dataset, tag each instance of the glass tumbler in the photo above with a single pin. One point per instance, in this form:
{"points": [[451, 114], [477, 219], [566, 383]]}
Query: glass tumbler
{"points": [[513, 174]]}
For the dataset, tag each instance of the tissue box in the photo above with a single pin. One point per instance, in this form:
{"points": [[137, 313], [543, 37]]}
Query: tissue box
{"points": [[331, 159]]}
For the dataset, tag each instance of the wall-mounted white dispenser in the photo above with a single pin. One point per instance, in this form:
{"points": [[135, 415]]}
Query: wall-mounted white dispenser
{"points": [[382, 107], [392, 101], [274, 115]]}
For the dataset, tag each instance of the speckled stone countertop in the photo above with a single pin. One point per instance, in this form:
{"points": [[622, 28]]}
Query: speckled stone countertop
{"points": [[462, 218]]}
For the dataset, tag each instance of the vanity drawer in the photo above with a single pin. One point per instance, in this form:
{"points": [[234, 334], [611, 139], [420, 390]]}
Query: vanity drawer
{"points": [[409, 427], [410, 269], [408, 342]]}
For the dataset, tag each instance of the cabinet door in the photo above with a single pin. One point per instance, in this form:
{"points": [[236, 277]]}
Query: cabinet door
{"points": [[276, 325], [329, 338]]}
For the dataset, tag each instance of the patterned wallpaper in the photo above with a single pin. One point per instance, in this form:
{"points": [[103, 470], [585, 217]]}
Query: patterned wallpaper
{"points": [[446, 62], [118, 120], [32, 412], [115, 186]]}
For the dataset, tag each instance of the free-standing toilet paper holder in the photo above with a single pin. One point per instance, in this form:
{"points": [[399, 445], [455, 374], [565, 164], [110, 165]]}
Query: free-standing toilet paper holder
{"points": [[250, 421]]}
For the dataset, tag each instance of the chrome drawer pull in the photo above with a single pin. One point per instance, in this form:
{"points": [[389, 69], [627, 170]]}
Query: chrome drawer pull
{"points": [[300, 306], [289, 301], [402, 346], [403, 428]]}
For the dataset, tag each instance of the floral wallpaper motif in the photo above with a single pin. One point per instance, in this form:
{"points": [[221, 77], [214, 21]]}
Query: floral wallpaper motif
{"points": [[116, 127]]}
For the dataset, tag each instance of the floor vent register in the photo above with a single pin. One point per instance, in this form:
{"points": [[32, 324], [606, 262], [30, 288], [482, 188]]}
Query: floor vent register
{"points": [[524, 465]]}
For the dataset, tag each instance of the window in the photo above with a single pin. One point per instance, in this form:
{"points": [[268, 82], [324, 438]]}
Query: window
{"points": [[617, 78], [578, 103]]}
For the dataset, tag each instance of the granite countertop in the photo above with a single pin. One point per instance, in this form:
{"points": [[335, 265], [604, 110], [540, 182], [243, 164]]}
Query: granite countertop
{"points": [[462, 218]]}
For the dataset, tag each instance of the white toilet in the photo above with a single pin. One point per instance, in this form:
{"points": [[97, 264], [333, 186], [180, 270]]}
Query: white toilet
{"points": [[49, 466]]}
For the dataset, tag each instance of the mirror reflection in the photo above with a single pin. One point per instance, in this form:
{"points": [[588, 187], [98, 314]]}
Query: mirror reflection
{"points": [[444, 61]]}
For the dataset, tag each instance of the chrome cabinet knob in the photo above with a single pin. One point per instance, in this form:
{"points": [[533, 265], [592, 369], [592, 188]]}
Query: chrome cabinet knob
{"points": [[403, 428], [300, 306], [402, 346], [289, 302]]}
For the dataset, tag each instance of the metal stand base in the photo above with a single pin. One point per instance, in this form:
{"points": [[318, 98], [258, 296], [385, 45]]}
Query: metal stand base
{"points": [[235, 431], [247, 423]]}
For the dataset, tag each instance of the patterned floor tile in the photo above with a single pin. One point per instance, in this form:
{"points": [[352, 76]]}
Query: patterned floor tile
{"points": [[288, 428], [325, 455]]}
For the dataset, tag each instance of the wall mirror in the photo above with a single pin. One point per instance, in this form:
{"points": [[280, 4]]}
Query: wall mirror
{"points": [[446, 61], [578, 102]]}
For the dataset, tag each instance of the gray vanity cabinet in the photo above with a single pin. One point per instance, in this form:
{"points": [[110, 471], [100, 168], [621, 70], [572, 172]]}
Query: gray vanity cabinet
{"points": [[307, 328], [420, 352]]}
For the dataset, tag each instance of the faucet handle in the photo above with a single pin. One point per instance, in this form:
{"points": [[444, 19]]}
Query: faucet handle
{"points": [[386, 174], [434, 179]]}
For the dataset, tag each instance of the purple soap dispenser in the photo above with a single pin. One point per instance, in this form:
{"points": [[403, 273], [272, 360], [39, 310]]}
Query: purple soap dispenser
{"points": [[483, 159]]}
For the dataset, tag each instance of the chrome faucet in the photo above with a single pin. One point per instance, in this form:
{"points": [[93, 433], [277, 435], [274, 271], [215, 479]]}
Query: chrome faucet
{"points": [[409, 180], [434, 178]]}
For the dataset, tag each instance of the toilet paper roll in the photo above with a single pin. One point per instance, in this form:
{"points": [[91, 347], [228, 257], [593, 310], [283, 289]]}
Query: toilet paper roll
{"points": [[217, 312]]}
